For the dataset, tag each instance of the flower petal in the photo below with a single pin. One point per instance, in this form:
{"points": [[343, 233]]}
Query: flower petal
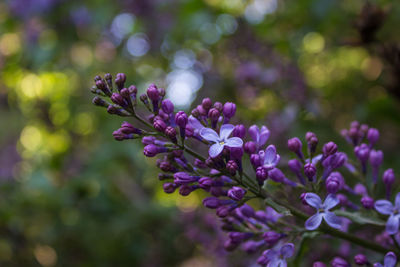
{"points": [[377, 264], [314, 221], [234, 142], [209, 135], [287, 250], [330, 201], [195, 123], [384, 206], [392, 224], [270, 254], [390, 259], [332, 220], [254, 133], [226, 131], [313, 200], [215, 150], [281, 263], [270, 154], [264, 135], [397, 201]]}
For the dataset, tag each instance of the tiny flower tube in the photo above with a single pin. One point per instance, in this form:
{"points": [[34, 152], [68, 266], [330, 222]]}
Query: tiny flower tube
{"points": [[376, 160], [388, 179], [153, 150], [295, 166]]}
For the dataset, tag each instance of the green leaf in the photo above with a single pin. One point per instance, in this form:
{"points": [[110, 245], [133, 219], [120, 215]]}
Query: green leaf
{"points": [[357, 217]]}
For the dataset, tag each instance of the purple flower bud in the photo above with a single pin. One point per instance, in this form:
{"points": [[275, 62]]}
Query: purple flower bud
{"points": [[319, 264], [388, 177], [236, 193], [239, 131], [181, 119], [229, 110], [201, 110], [261, 175], [376, 158], [166, 166], [360, 189], [213, 114], [147, 140], [252, 246], [295, 166], [339, 262], [250, 147], [276, 175], [170, 132], [153, 93], [120, 80], [128, 128], [185, 190], [232, 167], [169, 188], [152, 150], [247, 211], [118, 99], [206, 103], [255, 160], [236, 152], [238, 237], [334, 182], [329, 149], [312, 141], [367, 202], [271, 237], [167, 106], [211, 202], [223, 211], [159, 125], [119, 135], [184, 178], [372, 136], [360, 259], [205, 183], [218, 105], [310, 170], [295, 145]]}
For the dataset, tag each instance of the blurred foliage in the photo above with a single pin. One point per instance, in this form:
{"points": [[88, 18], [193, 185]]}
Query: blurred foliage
{"points": [[71, 195]]}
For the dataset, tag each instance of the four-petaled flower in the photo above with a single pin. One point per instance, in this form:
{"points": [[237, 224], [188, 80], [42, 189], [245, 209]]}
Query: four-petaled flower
{"points": [[389, 260], [276, 257], [386, 207], [220, 140], [259, 136], [269, 158], [322, 211]]}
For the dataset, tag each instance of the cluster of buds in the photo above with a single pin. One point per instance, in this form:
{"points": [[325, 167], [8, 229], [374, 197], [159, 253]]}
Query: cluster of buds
{"points": [[233, 164]]}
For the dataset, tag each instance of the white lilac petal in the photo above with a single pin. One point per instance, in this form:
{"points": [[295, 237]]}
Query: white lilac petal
{"points": [[234, 142], [332, 220], [209, 135], [330, 201], [314, 221], [215, 150], [313, 200], [384, 206], [392, 224], [226, 131]]}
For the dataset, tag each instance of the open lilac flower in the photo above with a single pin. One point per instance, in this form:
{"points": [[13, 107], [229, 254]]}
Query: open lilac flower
{"points": [[259, 135], [390, 260], [322, 211], [220, 140], [269, 157], [276, 257], [386, 207]]}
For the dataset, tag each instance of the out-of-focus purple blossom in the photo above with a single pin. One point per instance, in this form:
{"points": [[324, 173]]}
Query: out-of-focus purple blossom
{"points": [[271, 237], [333, 162], [295, 166], [259, 135], [310, 170], [229, 111], [319, 264], [360, 259], [388, 179], [362, 153], [322, 211], [390, 260], [236, 193], [360, 189], [340, 262], [295, 145], [385, 207], [312, 142], [221, 140], [276, 256], [329, 148], [372, 136], [334, 182], [367, 202]]}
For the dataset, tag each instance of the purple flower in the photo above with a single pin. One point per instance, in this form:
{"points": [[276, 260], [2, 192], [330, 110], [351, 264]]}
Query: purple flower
{"points": [[236, 193], [220, 140], [195, 124], [322, 211], [259, 136], [269, 158], [384, 206], [390, 260], [276, 257]]}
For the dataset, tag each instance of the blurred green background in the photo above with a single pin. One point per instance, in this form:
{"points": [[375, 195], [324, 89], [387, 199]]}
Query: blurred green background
{"points": [[72, 196]]}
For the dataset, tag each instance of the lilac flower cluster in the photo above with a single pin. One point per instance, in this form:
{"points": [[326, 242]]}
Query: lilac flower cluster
{"points": [[239, 166]]}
